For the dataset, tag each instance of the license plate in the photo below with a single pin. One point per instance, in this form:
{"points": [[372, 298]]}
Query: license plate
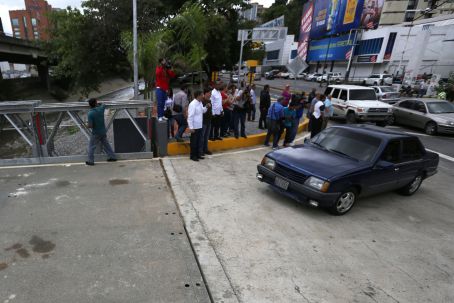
{"points": [[281, 183]]}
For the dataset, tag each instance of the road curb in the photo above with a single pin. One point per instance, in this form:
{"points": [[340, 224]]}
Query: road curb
{"points": [[183, 148], [216, 279]]}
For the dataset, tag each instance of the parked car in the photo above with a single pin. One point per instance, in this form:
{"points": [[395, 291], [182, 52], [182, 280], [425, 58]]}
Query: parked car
{"points": [[345, 162], [313, 77], [387, 94], [195, 77], [333, 77], [358, 103], [378, 79], [432, 115], [299, 76], [283, 75], [272, 74]]}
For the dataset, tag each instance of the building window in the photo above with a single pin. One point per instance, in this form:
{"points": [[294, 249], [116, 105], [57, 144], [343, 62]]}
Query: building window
{"points": [[272, 55], [15, 22], [17, 34], [25, 21], [293, 54], [34, 21], [36, 34]]}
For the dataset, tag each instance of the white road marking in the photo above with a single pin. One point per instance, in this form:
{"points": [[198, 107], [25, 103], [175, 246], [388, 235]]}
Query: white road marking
{"points": [[446, 157], [417, 134]]}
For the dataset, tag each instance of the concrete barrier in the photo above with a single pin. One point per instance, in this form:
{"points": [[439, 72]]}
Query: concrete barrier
{"points": [[183, 148]]}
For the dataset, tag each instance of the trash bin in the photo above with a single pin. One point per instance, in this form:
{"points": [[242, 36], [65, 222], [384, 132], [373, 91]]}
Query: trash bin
{"points": [[160, 137]]}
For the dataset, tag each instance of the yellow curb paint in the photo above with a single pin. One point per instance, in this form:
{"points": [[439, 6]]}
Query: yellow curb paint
{"points": [[183, 148]]}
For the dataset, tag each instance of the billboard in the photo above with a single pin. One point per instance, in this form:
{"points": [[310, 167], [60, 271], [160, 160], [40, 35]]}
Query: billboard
{"points": [[305, 29], [330, 49], [371, 13], [335, 16], [278, 22]]}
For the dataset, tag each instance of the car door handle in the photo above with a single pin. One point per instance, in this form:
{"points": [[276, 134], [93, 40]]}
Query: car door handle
{"points": [[396, 169]]}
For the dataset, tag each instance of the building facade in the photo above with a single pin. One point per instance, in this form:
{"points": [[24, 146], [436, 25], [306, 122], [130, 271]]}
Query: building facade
{"points": [[253, 13], [31, 23], [409, 49], [398, 11]]}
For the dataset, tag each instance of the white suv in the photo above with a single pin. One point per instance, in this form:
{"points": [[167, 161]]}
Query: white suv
{"points": [[379, 79], [358, 103]]}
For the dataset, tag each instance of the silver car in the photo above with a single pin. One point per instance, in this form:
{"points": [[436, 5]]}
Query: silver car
{"points": [[387, 94], [432, 115]]}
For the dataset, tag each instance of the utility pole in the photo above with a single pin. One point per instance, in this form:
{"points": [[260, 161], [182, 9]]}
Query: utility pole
{"points": [[136, 64]]}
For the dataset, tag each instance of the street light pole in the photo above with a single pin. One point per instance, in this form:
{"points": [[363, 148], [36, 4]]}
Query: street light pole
{"points": [[136, 64]]}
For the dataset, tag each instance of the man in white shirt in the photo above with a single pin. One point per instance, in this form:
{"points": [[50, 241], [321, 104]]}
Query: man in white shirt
{"points": [[317, 116], [195, 124], [216, 103], [251, 112]]}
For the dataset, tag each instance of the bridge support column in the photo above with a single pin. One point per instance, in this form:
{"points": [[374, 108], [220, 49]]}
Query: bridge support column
{"points": [[43, 73]]}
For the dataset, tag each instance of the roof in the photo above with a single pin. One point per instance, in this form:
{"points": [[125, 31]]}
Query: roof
{"points": [[423, 99], [376, 131], [346, 86]]}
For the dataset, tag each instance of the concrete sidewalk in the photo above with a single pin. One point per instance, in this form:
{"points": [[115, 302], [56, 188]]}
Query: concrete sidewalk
{"points": [[108, 233], [389, 248]]}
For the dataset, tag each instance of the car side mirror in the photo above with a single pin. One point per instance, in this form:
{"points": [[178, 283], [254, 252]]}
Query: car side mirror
{"points": [[384, 165]]}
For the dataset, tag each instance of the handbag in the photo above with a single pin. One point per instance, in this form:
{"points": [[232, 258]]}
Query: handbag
{"points": [[168, 113], [177, 108]]}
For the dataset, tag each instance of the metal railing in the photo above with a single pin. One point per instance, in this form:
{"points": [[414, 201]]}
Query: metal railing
{"points": [[28, 118]]}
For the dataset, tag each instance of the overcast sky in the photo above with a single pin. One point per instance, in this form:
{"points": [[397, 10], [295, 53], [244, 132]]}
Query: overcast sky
{"points": [[7, 5]]}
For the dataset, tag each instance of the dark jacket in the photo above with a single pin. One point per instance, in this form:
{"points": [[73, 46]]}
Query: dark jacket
{"points": [[265, 100], [209, 113]]}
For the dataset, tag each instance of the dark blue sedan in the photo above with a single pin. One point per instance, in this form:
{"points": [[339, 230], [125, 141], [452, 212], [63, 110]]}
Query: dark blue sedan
{"points": [[344, 162]]}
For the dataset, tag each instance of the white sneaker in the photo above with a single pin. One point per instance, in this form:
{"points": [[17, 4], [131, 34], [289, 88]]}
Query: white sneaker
{"points": [[162, 119]]}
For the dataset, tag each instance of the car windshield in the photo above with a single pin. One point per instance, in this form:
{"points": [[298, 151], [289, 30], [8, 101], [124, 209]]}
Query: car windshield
{"points": [[440, 107], [374, 76], [348, 143], [387, 89], [362, 94]]}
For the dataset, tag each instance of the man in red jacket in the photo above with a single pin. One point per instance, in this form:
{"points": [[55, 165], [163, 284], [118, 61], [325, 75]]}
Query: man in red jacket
{"points": [[163, 75]]}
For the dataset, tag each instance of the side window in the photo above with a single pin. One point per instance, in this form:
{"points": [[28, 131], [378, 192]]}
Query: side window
{"points": [[328, 91], [406, 104], [343, 95], [336, 92], [420, 107], [376, 90], [391, 152], [412, 150]]}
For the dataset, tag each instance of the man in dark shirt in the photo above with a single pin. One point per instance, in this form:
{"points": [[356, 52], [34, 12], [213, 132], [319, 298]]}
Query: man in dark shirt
{"points": [[207, 117], [265, 102], [98, 133]]}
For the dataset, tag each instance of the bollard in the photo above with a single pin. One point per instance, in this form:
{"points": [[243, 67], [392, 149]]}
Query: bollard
{"points": [[160, 137]]}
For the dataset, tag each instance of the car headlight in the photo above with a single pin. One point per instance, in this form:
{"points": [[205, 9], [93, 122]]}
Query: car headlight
{"points": [[390, 110], [360, 109], [269, 163], [317, 183]]}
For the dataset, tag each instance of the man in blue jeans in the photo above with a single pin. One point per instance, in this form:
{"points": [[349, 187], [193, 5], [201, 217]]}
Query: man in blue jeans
{"points": [[275, 123], [163, 75], [98, 133]]}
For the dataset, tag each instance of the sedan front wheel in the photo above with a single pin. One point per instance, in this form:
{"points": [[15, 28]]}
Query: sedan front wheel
{"points": [[344, 203]]}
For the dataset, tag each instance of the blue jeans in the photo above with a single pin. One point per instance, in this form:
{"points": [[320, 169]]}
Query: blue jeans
{"points": [[296, 123], [94, 139], [205, 134], [161, 96], [239, 119], [182, 125]]}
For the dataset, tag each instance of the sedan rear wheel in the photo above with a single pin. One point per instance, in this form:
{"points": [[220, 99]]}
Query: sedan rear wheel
{"points": [[413, 186], [431, 128], [344, 203]]}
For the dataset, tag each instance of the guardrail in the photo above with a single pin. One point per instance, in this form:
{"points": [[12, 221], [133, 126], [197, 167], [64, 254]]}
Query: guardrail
{"points": [[39, 133]]}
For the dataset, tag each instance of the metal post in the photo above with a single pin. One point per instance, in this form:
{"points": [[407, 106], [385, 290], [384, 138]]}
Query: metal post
{"points": [[241, 58], [349, 65], [134, 33]]}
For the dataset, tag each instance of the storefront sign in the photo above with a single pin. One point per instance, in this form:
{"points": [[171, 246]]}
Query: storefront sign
{"points": [[330, 49]]}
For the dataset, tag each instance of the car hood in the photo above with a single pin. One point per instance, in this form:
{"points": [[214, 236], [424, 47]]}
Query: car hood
{"points": [[445, 117], [370, 103], [312, 161]]}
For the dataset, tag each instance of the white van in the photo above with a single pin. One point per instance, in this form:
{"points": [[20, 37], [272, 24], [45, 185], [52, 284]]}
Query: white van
{"points": [[358, 104]]}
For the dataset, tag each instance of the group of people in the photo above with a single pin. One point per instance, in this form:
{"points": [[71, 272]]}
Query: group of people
{"points": [[320, 110]]}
